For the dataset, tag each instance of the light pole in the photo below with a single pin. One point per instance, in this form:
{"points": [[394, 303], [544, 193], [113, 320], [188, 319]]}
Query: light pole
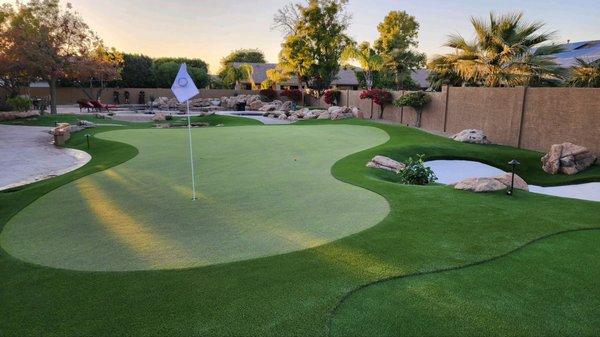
{"points": [[513, 163], [87, 138]]}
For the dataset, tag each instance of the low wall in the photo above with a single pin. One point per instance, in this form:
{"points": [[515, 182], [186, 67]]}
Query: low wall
{"points": [[531, 118], [72, 95]]}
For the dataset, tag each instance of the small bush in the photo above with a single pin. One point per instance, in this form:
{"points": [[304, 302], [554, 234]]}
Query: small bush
{"points": [[293, 94], [332, 96], [19, 103], [416, 100], [379, 96], [416, 173], [269, 94]]}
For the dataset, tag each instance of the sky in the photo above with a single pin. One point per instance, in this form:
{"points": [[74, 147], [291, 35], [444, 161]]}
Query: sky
{"points": [[210, 29]]}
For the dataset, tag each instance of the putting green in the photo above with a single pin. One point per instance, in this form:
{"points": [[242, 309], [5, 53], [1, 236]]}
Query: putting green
{"points": [[262, 191]]}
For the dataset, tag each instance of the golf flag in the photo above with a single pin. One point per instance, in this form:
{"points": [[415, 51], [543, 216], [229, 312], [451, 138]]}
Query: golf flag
{"points": [[183, 87]]}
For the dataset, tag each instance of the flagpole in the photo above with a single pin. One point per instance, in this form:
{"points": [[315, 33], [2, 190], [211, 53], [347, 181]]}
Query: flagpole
{"points": [[187, 104]]}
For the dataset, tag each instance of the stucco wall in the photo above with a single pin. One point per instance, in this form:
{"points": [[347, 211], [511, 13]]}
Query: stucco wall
{"points": [[532, 118]]}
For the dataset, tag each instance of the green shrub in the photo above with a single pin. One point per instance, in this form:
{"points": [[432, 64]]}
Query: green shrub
{"points": [[416, 173], [416, 100], [20, 103]]}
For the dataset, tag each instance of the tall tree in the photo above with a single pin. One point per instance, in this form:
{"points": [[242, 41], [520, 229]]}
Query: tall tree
{"points": [[138, 71], [585, 74], [274, 76], [312, 49], [94, 69], [367, 58], [506, 52], [243, 56], [398, 33], [53, 42], [13, 72]]}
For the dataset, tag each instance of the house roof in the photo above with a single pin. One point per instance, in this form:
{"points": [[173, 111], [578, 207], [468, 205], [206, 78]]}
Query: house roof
{"points": [[588, 51], [344, 76]]}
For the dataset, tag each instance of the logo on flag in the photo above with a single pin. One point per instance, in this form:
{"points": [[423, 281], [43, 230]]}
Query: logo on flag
{"points": [[183, 87]]}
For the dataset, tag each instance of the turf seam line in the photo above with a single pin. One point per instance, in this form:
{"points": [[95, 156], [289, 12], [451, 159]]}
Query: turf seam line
{"points": [[332, 313]]}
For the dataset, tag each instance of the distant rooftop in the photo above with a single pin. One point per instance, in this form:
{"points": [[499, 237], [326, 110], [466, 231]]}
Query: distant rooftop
{"points": [[588, 51], [345, 77]]}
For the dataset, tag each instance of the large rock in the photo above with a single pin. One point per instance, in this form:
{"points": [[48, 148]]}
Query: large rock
{"points": [[519, 182], [386, 163], [159, 117], [256, 105], [480, 185], [471, 136], [286, 106], [567, 158]]}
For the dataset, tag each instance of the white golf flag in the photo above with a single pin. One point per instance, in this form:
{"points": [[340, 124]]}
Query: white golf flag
{"points": [[183, 87]]}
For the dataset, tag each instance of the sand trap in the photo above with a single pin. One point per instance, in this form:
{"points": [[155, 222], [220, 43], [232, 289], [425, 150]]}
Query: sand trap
{"points": [[452, 171], [28, 155]]}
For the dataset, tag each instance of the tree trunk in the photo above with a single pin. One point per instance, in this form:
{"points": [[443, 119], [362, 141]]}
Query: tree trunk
{"points": [[52, 83], [371, 115], [368, 79], [418, 120], [381, 107]]}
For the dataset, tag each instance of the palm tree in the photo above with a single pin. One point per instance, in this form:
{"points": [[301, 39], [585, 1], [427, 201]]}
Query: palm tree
{"points": [[585, 74], [506, 52], [367, 58], [243, 72]]}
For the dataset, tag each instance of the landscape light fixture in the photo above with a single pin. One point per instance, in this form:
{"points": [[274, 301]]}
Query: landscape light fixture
{"points": [[87, 138], [512, 164]]}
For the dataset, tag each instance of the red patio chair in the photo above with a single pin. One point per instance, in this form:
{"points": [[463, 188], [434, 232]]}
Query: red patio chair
{"points": [[101, 106], [85, 104]]}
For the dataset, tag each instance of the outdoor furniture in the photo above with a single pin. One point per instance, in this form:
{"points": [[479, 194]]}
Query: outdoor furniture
{"points": [[85, 104], [101, 106]]}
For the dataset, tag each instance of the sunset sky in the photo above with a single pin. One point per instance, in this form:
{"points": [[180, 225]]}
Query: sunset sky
{"points": [[210, 29]]}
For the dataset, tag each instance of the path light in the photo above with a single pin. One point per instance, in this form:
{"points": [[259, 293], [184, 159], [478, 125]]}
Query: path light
{"points": [[87, 138], [512, 164]]}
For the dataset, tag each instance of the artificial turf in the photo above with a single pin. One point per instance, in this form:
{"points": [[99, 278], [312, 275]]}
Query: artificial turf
{"points": [[428, 228], [270, 194]]}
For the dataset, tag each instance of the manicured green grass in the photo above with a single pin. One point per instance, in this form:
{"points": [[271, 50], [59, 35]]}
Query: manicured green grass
{"points": [[267, 195], [428, 228]]}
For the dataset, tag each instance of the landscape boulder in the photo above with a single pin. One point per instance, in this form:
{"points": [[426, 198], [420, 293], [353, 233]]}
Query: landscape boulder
{"points": [[386, 163], [86, 124], [255, 105], [489, 184], [567, 158], [471, 136], [159, 117], [480, 185]]}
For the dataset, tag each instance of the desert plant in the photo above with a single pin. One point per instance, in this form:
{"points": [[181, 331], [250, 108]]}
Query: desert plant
{"points": [[293, 94], [378, 96], [19, 103], [268, 94], [506, 52], [585, 74], [332, 96], [416, 100], [416, 173]]}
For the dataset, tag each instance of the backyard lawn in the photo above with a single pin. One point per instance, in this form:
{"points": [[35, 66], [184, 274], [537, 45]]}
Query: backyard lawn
{"points": [[292, 235]]}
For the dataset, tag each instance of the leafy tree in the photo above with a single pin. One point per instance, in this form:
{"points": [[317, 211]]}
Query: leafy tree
{"points": [[416, 100], [52, 42], [313, 48], [506, 52], [397, 34], [13, 73], [138, 71], [380, 97], [585, 74], [367, 58], [243, 56], [195, 63], [232, 76], [95, 70], [275, 76], [167, 71]]}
